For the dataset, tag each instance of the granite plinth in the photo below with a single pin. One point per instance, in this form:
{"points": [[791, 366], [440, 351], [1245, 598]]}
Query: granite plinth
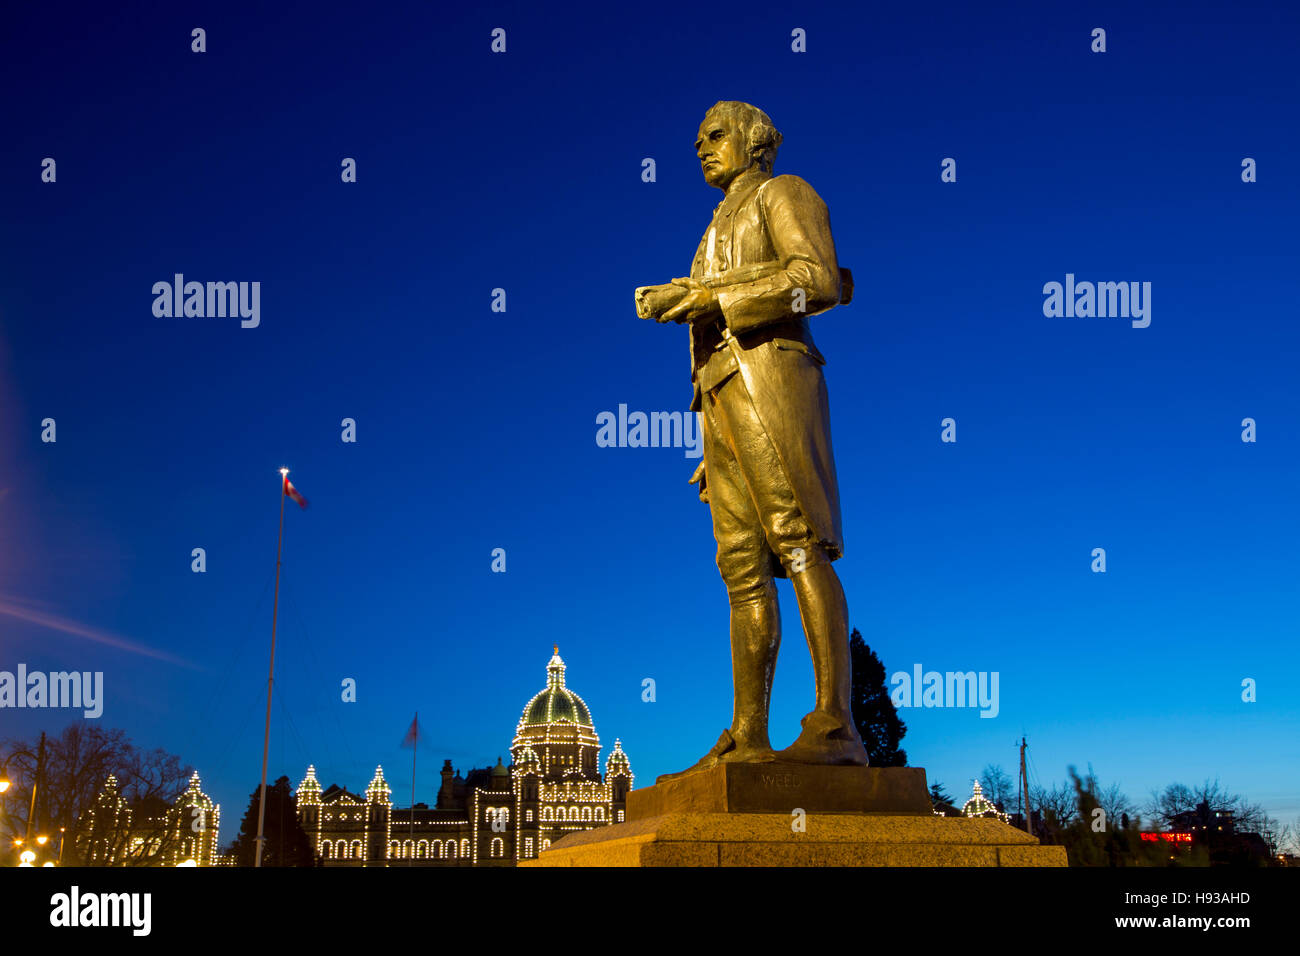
{"points": [[827, 839], [781, 787]]}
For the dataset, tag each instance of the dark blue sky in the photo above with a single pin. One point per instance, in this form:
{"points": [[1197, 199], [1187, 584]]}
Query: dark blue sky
{"points": [[476, 429]]}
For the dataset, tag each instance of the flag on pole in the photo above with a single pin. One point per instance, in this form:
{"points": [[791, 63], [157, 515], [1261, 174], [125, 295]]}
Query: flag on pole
{"points": [[412, 732], [292, 492]]}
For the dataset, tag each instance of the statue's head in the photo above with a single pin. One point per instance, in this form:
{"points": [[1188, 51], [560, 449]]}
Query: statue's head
{"points": [[733, 138]]}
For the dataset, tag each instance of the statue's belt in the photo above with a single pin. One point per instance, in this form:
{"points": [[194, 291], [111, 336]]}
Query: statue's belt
{"points": [[723, 360], [713, 335]]}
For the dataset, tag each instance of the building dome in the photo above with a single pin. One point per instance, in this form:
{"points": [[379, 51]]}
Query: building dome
{"points": [[556, 704], [556, 730], [980, 806]]}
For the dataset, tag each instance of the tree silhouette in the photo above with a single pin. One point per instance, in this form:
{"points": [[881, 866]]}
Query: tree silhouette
{"points": [[76, 767], [998, 786], [286, 841], [1092, 838], [1177, 798], [874, 714], [941, 802]]}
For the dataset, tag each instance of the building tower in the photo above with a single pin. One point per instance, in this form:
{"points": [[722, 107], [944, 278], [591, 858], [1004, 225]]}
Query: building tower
{"points": [[197, 820], [379, 814], [618, 777], [308, 801]]}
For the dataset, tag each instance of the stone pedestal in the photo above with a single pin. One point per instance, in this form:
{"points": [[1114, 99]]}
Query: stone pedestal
{"points": [[796, 815], [782, 787]]}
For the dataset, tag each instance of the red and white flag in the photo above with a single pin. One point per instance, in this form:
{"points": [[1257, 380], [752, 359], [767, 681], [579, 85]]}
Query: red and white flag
{"points": [[292, 492], [412, 733]]}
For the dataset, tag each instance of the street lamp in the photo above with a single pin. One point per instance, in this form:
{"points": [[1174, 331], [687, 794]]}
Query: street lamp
{"points": [[39, 757]]}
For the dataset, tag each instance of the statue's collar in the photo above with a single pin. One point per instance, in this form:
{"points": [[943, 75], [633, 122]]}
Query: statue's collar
{"points": [[740, 188]]}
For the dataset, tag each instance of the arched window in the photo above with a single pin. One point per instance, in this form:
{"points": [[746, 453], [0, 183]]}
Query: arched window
{"points": [[464, 847], [560, 815], [547, 815], [392, 848], [545, 844], [451, 849], [600, 814], [586, 814], [498, 848], [357, 852], [341, 849], [442, 849]]}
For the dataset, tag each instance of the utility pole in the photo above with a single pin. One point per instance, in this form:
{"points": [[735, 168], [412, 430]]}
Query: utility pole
{"points": [[36, 783]]}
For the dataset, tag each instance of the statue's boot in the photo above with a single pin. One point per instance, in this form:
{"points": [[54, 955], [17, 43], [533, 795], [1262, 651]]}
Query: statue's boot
{"points": [[726, 744], [755, 640], [826, 739], [829, 735]]}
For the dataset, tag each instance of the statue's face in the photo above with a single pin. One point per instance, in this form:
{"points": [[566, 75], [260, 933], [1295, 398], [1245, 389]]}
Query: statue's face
{"points": [[723, 150]]}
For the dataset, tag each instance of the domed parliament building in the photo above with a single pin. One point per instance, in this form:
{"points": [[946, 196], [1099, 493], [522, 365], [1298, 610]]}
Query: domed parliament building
{"points": [[489, 817]]}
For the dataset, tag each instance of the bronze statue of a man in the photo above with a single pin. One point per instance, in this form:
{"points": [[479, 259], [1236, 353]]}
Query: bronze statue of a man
{"points": [[766, 263]]}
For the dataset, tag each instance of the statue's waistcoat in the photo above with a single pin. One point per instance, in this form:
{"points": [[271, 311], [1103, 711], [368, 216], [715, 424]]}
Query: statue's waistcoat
{"points": [[775, 235]]}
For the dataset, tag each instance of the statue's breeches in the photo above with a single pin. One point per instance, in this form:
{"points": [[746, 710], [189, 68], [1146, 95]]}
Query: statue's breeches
{"points": [[759, 526]]}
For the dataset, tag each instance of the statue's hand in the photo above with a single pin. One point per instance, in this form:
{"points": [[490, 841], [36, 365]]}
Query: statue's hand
{"points": [[700, 302], [699, 478], [652, 301]]}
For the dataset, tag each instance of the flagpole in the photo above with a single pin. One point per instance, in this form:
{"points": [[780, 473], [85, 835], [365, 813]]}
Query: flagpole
{"points": [[415, 749], [266, 736]]}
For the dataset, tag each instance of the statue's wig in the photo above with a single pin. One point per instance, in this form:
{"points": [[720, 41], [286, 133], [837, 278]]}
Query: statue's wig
{"points": [[761, 136]]}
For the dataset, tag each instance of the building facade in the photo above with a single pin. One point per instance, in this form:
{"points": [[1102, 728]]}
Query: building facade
{"points": [[490, 816], [187, 832]]}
